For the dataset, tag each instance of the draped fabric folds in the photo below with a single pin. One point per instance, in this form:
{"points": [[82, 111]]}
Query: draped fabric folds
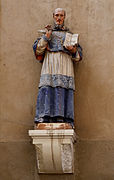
{"points": [[55, 102], [56, 87]]}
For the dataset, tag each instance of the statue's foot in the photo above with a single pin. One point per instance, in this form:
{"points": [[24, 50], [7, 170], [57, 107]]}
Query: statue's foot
{"points": [[63, 123]]}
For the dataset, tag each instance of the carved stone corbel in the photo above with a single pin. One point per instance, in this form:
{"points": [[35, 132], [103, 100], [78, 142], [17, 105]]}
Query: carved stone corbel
{"points": [[54, 149]]}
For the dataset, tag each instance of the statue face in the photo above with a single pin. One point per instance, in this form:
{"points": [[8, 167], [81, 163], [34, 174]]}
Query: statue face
{"points": [[59, 17]]}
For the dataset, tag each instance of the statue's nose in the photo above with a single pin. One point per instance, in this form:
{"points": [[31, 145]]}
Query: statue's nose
{"points": [[59, 17]]}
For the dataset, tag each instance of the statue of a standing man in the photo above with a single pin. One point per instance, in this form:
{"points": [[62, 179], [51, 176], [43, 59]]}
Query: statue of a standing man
{"points": [[55, 102]]}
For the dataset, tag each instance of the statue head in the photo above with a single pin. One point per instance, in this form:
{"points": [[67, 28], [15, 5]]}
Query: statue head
{"points": [[59, 16]]}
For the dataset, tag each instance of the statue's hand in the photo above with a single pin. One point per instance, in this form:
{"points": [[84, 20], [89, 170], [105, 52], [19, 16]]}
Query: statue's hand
{"points": [[48, 31], [72, 49]]}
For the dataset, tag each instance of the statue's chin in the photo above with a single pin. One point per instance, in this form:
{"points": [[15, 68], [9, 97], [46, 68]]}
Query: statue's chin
{"points": [[58, 25]]}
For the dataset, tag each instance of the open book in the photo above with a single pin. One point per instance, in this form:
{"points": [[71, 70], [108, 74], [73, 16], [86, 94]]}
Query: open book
{"points": [[71, 39]]}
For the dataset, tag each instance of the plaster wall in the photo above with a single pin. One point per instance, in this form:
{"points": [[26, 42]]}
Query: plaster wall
{"points": [[19, 78]]}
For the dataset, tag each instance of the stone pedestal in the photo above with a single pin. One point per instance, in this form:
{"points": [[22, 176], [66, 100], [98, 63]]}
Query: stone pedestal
{"points": [[54, 148]]}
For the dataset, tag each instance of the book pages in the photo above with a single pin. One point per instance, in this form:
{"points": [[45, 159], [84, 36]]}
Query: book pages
{"points": [[71, 39]]}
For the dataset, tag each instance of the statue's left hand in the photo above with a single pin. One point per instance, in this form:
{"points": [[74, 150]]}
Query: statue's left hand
{"points": [[72, 49]]}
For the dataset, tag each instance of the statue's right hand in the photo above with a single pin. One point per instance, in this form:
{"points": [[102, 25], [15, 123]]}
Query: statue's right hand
{"points": [[48, 31]]}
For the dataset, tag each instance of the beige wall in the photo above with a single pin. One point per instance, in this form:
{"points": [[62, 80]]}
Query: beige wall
{"points": [[19, 77]]}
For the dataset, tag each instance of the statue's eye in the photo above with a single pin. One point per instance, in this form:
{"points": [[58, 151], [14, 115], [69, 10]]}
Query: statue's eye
{"points": [[57, 15]]}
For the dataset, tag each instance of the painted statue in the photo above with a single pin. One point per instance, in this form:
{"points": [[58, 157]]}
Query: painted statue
{"points": [[55, 102]]}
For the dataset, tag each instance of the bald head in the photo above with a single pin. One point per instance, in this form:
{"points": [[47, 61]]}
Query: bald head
{"points": [[59, 10]]}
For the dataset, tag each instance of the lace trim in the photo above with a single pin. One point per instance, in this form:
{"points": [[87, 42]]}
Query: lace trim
{"points": [[57, 80]]}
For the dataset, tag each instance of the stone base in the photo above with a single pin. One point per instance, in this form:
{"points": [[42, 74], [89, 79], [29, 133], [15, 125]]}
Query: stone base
{"points": [[54, 148]]}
